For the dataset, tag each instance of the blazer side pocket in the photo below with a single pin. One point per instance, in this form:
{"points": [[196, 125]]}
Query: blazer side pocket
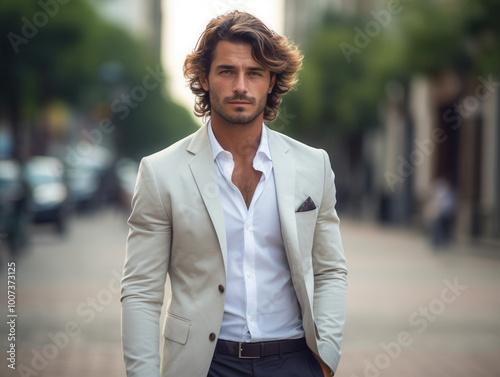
{"points": [[176, 329]]}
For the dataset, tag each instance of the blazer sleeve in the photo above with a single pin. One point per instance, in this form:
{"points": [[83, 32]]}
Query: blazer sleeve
{"points": [[144, 275], [330, 274]]}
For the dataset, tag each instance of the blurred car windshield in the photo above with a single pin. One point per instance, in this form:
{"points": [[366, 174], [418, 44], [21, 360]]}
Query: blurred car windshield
{"points": [[42, 170]]}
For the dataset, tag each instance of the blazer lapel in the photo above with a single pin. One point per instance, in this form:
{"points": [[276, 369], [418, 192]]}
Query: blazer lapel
{"points": [[284, 177], [203, 169]]}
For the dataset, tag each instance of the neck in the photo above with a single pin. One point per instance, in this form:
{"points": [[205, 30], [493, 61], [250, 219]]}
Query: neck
{"points": [[242, 140]]}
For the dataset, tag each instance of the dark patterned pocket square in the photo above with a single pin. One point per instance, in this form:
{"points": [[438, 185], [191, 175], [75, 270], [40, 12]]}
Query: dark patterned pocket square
{"points": [[308, 205]]}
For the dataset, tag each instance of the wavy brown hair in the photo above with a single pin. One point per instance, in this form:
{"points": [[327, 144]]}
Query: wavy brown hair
{"points": [[271, 50]]}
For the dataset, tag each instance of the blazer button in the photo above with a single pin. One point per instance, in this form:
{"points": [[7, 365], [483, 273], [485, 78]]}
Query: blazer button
{"points": [[221, 288], [211, 337]]}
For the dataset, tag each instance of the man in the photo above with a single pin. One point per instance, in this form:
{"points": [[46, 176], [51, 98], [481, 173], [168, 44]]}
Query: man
{"points": [[242, 220]]}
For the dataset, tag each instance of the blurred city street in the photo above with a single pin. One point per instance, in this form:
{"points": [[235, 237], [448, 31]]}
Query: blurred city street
{"points": [[404, 96], [68, 299], [443, 309], [411, 312]]}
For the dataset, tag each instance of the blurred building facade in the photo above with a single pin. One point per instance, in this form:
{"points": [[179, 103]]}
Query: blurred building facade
{"points": [[452, 131], [443, 127]]}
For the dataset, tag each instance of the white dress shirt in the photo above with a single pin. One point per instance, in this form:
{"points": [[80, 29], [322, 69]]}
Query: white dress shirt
{"points": [[261, 303]]}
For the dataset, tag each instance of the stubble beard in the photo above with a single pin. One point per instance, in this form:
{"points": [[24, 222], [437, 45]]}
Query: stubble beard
{"points": [[238, 117]]}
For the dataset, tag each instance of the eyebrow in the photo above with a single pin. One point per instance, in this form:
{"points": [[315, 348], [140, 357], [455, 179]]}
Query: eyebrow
{"points": [[226, 66]]}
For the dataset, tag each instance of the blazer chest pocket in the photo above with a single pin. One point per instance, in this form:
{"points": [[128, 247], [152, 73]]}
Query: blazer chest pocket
{"points": [[306, 223], [176, 329], [306, 216]]}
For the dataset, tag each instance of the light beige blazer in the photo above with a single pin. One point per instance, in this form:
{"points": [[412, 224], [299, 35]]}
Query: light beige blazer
{"points": [[177, 229]]}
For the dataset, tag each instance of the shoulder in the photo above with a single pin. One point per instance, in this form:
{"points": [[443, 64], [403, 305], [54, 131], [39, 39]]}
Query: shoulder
{"points": [[298, 149], [174, 154]]}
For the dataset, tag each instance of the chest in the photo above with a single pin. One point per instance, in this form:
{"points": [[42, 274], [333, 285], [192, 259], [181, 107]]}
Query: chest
{"points": [[246, 179]]}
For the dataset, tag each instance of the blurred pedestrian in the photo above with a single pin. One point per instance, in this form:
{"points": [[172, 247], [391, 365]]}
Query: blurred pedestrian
{"points": [[439, 213], [243, 221]]}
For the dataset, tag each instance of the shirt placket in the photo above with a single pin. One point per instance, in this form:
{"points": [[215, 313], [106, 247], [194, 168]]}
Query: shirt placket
{"points": [[227, 167], [250, 259], [249, 252], [249, 271]]}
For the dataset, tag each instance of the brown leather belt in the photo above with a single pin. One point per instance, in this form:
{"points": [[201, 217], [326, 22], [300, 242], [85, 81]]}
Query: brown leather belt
{"points": [[261, 349]]}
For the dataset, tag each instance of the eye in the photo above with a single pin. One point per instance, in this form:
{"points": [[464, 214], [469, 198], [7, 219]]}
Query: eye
{"points": [[255, 73], [226, 72]]}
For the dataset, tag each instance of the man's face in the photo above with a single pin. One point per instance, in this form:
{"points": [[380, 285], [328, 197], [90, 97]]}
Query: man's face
{"points": [[238, 85]]}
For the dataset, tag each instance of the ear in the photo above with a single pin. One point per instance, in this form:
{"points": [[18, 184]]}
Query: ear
{"points": [[273, 81], [204, 81]]}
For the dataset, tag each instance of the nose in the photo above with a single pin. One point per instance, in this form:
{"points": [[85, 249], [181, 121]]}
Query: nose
{"points": [[240, 85]]}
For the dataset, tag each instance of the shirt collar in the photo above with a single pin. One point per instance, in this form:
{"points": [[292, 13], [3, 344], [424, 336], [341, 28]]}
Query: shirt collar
{"points": [[216, 147], [262, 152]]}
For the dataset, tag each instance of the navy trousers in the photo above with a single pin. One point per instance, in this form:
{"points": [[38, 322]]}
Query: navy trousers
{"points": [[293, 364]]}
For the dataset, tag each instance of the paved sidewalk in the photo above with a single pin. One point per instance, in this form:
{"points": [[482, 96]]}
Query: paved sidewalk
{"points": [[411, 312], [68, 300]]}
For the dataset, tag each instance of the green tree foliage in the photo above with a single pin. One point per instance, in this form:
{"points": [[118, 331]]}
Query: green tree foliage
{"points": [[435, 38], [65, 53], [341, 88], [339, 93], [483, 31]]}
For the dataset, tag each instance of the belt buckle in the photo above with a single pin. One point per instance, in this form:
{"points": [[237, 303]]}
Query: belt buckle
{"points": [[244, 357]]}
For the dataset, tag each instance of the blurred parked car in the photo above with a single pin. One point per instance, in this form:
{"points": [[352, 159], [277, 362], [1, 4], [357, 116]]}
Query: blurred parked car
{"points": [[83, 186], [13, 198], [90, 179], [49, 194]]}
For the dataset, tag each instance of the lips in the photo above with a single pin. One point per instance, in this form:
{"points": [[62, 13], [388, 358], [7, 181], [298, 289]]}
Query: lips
{"points": [[240, 103], [239, 100]]}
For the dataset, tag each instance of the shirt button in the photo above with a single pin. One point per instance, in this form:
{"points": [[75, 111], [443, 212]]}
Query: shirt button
{"points": [[247, 226], [211, 337], [221, 288], [250, 318], [249, 275]]}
